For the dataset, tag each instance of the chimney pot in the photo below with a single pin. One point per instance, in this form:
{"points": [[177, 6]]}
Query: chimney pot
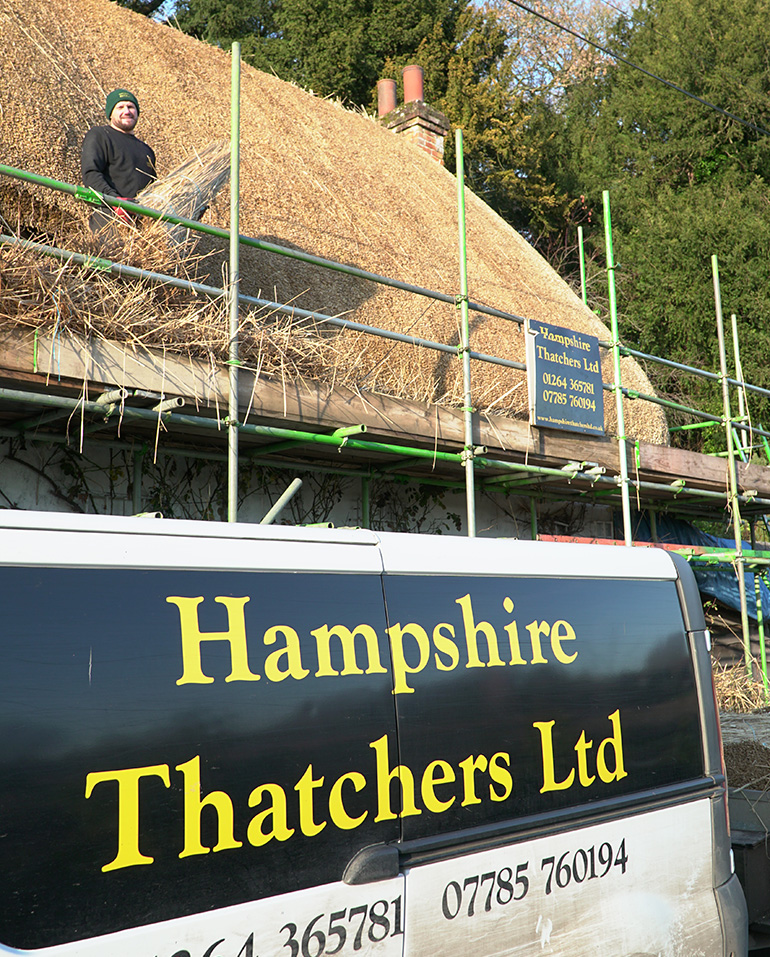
{"points": [[413, 83], [415, 119], [386, 97]]}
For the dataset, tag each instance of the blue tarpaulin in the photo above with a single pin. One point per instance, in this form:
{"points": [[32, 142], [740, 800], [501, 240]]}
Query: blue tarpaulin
{"points": [[717, 581]]}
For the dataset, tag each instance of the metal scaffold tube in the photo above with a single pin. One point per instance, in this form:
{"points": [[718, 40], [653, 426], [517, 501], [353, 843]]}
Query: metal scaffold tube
{"points": [[87, 195], [625, 497], [582, 257], [234, 286], [606, 484], [214, 292], [462, 301], [740, 565]]}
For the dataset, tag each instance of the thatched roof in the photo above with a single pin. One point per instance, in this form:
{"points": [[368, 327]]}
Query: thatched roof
{"points": [[314, 176]]}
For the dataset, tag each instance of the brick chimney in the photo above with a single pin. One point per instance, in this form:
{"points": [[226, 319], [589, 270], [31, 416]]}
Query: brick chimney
{"points": [[424, 125]]}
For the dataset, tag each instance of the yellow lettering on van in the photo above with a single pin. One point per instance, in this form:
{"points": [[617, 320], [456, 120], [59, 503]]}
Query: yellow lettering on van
{"points": [[430, 781], [305, 787], [470, 765], [385, 776], [401, 668], [128, 810], [562, 631], [276, 812], [500, 775], [194, 804], [615, 742], [337, 812], [549, 772], [291, 652], [471, 637], [513, 636], [536, 629], [444, 645], [323, 637], [581, 749], [192, 673]]}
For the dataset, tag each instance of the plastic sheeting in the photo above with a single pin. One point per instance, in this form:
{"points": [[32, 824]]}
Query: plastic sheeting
{"points": [[717, 581]]}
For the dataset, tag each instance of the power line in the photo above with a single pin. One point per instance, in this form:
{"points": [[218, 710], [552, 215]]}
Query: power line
{"points": [[641, 69]]}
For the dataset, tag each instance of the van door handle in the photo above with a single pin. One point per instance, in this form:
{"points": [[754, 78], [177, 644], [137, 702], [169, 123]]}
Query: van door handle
{"points": [[374, 863]]}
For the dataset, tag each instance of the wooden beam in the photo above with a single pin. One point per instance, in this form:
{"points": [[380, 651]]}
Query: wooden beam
{"points": [[71, 361]]}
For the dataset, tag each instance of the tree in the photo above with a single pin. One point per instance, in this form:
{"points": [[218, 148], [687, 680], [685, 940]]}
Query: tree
{"points": [[221, 22], [686, 181], [468, 77], [333, 47], [146, 7], [547, 60]]}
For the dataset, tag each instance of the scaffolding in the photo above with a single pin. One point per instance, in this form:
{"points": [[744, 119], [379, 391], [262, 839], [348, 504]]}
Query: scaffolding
{"points": [[368, 458]]}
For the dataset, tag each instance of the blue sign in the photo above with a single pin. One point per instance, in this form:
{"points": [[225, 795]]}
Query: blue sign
{"points": [[564, 376]]}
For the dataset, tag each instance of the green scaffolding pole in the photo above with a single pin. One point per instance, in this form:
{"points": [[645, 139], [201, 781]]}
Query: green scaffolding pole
{"points": [[625, 496], [234, 286], [462, 302], [761, 629], [731, 474]]}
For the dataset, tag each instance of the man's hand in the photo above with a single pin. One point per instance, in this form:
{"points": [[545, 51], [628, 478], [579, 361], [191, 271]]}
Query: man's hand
{"points": [[123, 214]]}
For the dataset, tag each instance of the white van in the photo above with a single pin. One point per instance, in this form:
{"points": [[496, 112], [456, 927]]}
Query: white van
{"points": [[245, 741]]}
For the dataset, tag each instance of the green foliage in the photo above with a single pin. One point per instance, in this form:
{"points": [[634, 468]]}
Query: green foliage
{"points": [[146, 7], [686, 182], [335, 48], [468, 77], [221, 22], [408, 507]]}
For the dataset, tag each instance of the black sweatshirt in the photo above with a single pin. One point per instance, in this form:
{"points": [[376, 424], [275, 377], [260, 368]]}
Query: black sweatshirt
{"points": [[116, 163]]}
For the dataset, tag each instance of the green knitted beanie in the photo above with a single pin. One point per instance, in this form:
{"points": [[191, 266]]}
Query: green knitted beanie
{"points": [[118, 96]]}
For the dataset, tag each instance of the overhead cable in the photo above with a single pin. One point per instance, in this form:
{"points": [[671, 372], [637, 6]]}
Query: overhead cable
{"points": [[641, 69]]}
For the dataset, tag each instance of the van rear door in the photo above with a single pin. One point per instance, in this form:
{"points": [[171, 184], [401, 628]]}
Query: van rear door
{"points": [[549, 718]]}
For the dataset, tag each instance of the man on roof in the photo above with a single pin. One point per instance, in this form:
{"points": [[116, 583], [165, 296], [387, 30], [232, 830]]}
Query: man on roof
{"points": [[114, 161]]}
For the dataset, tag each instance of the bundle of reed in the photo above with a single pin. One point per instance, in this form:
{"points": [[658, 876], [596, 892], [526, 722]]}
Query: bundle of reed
{"points": [[736, 690], [191, 188]]}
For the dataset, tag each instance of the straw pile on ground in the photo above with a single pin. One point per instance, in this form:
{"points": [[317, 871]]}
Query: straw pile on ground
{"points": [[737, 692], [745, 724], [314, 177]]}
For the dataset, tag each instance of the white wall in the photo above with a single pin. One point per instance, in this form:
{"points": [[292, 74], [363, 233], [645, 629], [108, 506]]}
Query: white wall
{"points": [[100, 480]]}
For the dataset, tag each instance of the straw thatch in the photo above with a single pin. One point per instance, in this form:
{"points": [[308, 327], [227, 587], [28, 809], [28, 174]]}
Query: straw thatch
{"points": [[736, 691], [314, 177], [189, 190]]}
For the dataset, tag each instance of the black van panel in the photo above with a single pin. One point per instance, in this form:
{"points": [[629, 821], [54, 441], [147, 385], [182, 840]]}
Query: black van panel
{"points": [[607, 662], [89, 686]]}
